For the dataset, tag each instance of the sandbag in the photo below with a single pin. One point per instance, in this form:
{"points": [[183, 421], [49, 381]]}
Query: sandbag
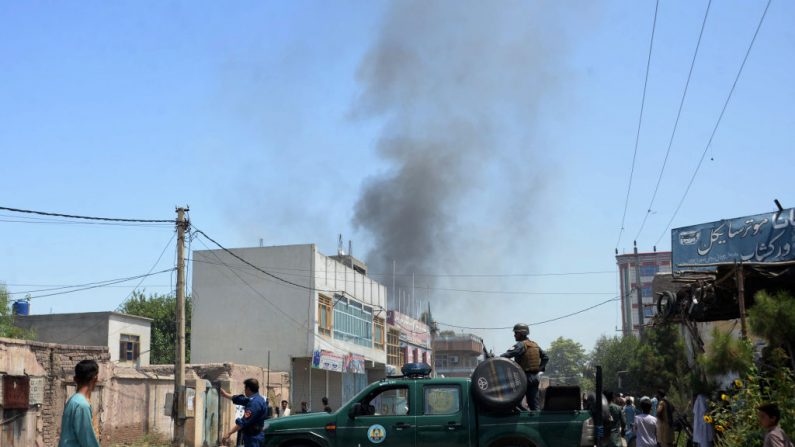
{"points": [[498, 384]]}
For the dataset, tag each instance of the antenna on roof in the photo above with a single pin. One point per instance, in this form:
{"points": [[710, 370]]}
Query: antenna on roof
{"points": [[340, 247]]}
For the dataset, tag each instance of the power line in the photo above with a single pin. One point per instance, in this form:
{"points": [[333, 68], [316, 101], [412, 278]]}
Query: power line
{"points": [[495, 275], [168, 244], [300, 325], [450, 275], [640, 122], [88, 286], [103, 283], [676, 122], [516, 292], [532, 324], [250, 264], [717, 123], [72, 216], [65, 286], [441, 289]]}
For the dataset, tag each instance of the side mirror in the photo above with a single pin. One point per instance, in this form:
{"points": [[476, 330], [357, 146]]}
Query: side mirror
{"points": [[356, 410]]}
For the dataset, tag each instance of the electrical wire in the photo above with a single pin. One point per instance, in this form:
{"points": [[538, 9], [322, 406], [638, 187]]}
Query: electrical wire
{"points": [[717, 123], [266, 299], [73, 216], [676, 122], [105, 283], [640, 122], [230, 252], [451, 275], [168, 244], [131, 278], [517, 292], [502, 328], [441, 289]]}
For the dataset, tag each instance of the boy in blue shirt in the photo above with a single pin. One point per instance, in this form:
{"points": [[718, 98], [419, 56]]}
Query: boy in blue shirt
{"points": [[76, 427]]}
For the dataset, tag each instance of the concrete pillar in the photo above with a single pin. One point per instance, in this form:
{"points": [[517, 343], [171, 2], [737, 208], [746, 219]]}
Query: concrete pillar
{"points": [[226, 411], [194, 425]]}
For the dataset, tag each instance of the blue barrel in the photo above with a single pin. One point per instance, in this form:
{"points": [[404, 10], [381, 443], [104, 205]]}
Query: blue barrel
{"points": [[21, 307]]}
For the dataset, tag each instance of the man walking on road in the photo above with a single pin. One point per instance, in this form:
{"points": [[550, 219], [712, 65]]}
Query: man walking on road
{"points": [[531, 358]]}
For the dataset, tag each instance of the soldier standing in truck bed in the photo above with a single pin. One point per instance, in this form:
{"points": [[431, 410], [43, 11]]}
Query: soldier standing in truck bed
{"points": [[531, 358]]}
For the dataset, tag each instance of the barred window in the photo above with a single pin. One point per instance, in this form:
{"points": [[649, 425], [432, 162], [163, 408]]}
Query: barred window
{"points": [[324, 315], [378, 332], [129, 348], [353, 322]]}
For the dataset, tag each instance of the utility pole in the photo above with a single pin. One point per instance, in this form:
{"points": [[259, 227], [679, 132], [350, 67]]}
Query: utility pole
{"points": [[741, 299], [639, 287], [179, 363]]}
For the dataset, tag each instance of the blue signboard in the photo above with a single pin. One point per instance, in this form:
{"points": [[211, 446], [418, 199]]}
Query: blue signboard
{"points": [[763, 238]]}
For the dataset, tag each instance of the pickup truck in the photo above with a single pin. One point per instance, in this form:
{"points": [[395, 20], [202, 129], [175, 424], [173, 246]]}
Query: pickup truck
{"points": [[415, 410]]}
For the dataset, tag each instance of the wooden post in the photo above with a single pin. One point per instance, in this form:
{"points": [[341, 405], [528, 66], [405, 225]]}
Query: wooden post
{"points": [[741, 299], [179, 361]]}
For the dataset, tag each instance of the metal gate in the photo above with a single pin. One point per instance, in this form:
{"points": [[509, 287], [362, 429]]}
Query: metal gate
{"points": [[211, 412]]}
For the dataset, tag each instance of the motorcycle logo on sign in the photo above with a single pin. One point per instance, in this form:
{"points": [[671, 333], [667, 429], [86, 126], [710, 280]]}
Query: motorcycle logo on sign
{"points": [[482, 383], [376, 433]]}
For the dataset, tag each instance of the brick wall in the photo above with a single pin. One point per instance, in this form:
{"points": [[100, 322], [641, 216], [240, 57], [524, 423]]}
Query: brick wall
{"points": [[55, 363], [128, 403]]}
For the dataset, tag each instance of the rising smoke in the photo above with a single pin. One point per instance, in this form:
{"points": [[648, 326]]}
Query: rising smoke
{"points": [[458, 87]]}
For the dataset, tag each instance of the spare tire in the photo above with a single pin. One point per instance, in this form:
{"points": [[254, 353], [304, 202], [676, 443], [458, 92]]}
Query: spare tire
{"points": [[498, 384]]}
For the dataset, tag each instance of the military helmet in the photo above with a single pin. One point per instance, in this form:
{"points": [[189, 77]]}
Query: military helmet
{"points": [[521, 328]]}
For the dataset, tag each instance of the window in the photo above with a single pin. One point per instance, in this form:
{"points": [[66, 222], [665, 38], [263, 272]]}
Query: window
{"points": [[324, 315], [392, 401], [442, 399], [378, 332], [353, 322], [129, 348], [648, 311], [393, 348], [648, 270]]}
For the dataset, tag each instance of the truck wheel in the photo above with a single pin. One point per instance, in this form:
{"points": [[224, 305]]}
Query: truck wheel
{"points": [[665, 304], [498, 384]]}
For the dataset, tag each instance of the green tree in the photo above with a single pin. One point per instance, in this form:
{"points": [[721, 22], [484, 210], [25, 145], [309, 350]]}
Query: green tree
{"points": [[567, 360], [7, 327], [773, 317], [727, 354], [660, 363], [162, 309], [614, 354]]}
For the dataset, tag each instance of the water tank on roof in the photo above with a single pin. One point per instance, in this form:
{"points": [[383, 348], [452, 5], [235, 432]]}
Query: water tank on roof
{"points": [[21, 307]]}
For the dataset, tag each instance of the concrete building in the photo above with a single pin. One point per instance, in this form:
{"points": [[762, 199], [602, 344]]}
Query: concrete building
{"points": [[127, 337], [457, 355], [413, 340], [319, 317], [650, 265]]}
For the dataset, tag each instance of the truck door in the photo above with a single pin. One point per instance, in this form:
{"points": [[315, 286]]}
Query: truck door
{"points": [[441, 419], [388, 422]]}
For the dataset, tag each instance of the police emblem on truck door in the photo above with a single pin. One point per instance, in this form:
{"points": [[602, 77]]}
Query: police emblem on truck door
{"points": [[376, 433]]}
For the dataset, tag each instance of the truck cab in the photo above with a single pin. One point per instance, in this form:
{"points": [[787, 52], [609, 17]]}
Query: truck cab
{"points": [[415, 410]]}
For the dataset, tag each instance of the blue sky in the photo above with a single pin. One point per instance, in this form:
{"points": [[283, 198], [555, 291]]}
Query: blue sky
{"points": [[245, 111]]}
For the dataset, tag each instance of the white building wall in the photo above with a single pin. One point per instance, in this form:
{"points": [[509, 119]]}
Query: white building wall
{"points": [[89, 329], [119, 324], [240, 314]]}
